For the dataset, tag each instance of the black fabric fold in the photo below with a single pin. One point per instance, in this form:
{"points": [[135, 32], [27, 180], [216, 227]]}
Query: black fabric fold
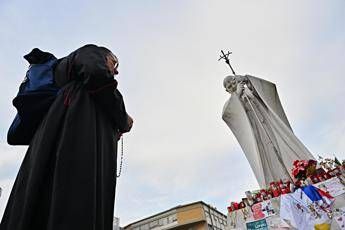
{"points": [[68, 176]]}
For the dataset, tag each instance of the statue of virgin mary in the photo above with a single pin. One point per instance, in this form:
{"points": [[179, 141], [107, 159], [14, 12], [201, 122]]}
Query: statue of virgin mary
{"points": [[256, 117]]}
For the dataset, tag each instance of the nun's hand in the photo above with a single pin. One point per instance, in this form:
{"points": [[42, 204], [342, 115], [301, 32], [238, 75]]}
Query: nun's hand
{"points": [[130, 123]]}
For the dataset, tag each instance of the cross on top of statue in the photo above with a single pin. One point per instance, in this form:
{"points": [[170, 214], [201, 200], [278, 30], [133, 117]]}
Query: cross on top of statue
{"points": [[226, 58]]}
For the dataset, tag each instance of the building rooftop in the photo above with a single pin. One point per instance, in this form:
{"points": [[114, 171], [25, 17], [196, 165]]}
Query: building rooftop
{"points": [[174, 208]]}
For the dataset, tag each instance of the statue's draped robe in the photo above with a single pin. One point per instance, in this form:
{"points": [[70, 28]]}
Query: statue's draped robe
{"points": [[262, 129], [68, 176]]}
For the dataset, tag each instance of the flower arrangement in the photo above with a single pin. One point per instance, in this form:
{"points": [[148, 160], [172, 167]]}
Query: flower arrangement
{"points": [[304, 172], [303, 169]]}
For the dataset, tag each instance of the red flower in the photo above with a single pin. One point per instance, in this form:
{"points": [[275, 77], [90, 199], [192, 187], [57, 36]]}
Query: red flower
{"points": [[295, 163]]}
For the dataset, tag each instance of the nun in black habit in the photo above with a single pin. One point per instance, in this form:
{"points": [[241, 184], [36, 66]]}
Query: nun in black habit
{"points": [[68, 176]]}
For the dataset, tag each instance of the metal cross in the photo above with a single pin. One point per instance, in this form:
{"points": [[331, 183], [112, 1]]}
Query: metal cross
{"points": [[226, 58]]}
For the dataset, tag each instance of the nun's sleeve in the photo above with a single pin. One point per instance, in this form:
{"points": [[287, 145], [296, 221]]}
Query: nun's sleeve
{"points": [[111, 102]]}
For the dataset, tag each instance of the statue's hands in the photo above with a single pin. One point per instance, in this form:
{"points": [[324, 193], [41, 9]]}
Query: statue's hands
{"points": [[240, 88]]}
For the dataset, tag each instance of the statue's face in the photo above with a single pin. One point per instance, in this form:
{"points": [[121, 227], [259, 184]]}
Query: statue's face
{"points": [[230, 84]]}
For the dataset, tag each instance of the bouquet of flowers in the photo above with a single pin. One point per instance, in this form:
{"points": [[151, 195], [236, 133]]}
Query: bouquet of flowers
{"points": [[303, 169]]}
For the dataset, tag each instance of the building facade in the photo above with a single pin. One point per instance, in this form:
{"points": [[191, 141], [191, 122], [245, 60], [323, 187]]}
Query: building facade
{"points": [[193, 216]]}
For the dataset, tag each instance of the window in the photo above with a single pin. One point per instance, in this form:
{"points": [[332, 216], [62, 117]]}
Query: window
{"points": [[153, 224], [144, 227], [163, 221], [208, 219], [172, 218]]}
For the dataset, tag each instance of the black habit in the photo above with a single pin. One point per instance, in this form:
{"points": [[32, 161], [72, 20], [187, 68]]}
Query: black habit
{"points": [[68, 176]]}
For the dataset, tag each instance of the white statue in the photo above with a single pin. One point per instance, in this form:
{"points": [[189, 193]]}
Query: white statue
{"points": [[257, 119]]}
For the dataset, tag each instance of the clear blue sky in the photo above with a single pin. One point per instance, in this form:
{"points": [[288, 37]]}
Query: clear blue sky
{"points": [[180, 150]]}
